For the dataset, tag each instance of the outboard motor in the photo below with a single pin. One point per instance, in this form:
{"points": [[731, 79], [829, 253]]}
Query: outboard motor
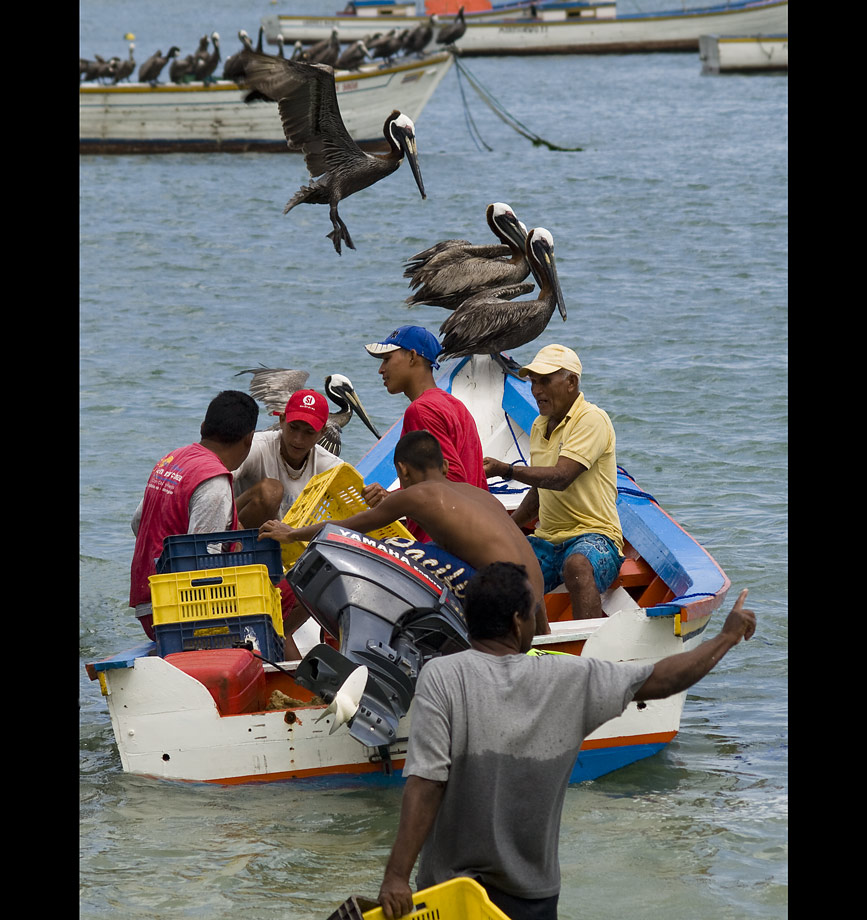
{"points": [[388, 615]]}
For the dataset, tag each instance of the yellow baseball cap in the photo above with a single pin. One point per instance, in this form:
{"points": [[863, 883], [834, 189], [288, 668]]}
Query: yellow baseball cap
{"points": [[553, 358]]}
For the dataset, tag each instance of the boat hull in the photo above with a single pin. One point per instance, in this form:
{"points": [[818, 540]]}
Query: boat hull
{"points": [[667, 31], [744, 53], [195, 117]]}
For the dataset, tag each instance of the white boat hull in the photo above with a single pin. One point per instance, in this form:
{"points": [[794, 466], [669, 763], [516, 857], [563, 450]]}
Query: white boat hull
{"points": [[136, 117], [546, 34], [744, 53]]}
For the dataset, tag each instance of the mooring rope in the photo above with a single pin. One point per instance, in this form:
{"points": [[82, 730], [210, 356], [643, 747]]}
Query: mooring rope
{"points": [[495, 106]]}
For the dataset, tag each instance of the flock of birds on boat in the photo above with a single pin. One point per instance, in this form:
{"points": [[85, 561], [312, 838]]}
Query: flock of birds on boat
{"points": [[203, 64], [477, 283]]}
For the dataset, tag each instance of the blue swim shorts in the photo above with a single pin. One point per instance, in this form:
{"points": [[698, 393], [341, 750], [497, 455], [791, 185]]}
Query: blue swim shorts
{"points": [[599, 549]]}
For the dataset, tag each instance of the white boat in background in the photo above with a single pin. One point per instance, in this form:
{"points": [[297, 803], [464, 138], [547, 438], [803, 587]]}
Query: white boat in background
{"points": [[550, 27], [212, 117], [744, 53]]}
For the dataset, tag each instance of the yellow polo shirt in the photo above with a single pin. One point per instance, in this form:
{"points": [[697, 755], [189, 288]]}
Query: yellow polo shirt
{"points": [[589, 504]]}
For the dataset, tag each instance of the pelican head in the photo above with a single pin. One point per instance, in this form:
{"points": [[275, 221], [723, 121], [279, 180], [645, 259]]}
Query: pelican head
{"points": [[400, 132], [504, 224], [540, 255], [341, 391]]}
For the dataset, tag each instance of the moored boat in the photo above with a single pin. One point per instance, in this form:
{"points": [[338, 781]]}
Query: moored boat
{"points": [[213, 117], [744, 53], [555, 28], [168, 724]]}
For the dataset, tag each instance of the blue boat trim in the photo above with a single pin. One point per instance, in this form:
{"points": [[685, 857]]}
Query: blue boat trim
{"points": [[124, 659]]}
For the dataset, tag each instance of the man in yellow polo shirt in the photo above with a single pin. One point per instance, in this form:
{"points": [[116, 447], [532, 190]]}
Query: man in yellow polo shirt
{"points": [[573, 480]]}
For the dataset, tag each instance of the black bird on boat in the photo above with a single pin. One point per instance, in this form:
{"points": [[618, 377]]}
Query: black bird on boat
{"points": [[450, 33], [204, 66], [150, 71], [417, 39], [307, 101], [236, 63], [326, 51], [452, 270], [272, 386], [126, 67], [491, 322], [352, 57]]}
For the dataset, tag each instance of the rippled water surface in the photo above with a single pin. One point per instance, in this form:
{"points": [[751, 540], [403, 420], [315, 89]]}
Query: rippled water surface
{"points": [[670, 229]]}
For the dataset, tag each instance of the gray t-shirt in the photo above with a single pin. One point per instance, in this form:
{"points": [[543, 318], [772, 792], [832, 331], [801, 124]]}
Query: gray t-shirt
{"points": [[504, 732]]}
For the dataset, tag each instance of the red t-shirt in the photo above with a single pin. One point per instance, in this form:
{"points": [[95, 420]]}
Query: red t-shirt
{"points": [[450, 422]]}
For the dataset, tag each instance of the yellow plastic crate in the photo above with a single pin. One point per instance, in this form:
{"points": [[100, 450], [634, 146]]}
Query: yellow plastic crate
{"points": [[456, 899], [215, 593], [332, 495]]}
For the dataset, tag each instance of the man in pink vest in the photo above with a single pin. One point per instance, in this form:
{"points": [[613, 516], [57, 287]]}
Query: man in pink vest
{"points": [[190, 491]]}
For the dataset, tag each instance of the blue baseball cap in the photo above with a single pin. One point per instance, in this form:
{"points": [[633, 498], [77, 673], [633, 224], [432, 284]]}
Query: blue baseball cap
{"points": [[412, 338]]}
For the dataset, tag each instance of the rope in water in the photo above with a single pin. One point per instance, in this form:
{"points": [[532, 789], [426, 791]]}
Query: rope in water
{"points": [[497, 108]]}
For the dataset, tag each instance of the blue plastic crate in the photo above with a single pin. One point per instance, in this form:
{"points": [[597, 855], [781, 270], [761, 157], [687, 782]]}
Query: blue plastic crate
{"points": [[220, 632], [188, 552]]}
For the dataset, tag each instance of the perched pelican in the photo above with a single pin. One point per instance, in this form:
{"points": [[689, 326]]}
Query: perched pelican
{"points": [[235, 64], [450, 33], [181, 69], [273, 386], [151, 69], [490, 322], [452, 270], [204, 66], [125, 68], [417, 39], [353, 57], [326, 51], [307, 102]]}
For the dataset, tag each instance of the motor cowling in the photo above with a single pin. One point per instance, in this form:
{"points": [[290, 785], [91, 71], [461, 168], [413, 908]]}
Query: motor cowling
{"points": [[386, 613]]}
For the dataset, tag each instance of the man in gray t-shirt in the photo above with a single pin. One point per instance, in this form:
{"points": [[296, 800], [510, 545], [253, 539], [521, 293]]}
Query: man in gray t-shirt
{"points": [[493, 740]]}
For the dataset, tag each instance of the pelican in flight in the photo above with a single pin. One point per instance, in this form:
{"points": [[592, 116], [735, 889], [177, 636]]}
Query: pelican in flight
{"points": [[490, 322], [272, 386], [307, 102], [452, 270]]}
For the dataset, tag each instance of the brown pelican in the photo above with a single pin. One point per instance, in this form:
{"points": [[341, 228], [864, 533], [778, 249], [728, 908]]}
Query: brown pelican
{"points": [[125, 68], [326, 51], [307, 102], [490, 322], [273, 386], [450, 33], [386, 46], [153, 66], [233, 69], [452, 270], [353, 57], [181, 69], [417, 39], [205, 65]]}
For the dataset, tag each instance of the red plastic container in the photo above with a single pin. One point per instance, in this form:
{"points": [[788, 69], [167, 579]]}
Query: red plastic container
{"points": [[234, 677]]}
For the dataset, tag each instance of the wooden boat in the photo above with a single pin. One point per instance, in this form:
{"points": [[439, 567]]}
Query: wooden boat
{"points": [[744, 53], [557, 28], [168, 725], [200, 118]]}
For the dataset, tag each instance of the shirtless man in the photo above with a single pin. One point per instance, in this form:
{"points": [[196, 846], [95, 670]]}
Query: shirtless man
{"points": [[464, 520]]}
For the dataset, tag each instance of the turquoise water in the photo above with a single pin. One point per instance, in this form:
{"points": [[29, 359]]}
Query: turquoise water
{"points": [[671, 239]]}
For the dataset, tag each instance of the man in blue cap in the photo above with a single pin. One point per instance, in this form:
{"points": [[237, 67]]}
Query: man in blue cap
{"points": [[408, 360]]}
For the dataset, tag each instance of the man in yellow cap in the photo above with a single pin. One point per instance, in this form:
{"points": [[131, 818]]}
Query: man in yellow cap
{"points": [[573, 484]]}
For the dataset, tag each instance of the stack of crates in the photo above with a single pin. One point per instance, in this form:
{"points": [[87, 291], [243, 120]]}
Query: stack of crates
{"points": [[332, 495], [218, 600]]}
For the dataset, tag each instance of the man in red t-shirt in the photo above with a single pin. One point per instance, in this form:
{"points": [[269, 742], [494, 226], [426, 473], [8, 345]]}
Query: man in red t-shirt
{"points": [[409, 358]]}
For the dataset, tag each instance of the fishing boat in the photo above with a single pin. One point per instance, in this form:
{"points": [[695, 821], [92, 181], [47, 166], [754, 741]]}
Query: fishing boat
{"points": [[744, 53], [203, 117], [382, 613], [553, 28]]}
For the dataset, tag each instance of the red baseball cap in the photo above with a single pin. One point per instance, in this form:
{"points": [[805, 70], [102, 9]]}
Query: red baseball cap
{"points": [[307, 406]]}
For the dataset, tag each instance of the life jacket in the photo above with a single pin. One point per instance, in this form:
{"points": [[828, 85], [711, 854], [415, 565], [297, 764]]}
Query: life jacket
{"points": [[166, 509]]}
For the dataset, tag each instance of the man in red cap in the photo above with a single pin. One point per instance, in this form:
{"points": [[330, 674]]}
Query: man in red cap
{"points": [[281, 462]]}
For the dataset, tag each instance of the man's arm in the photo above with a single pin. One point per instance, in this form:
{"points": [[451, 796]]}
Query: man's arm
{"points": [[528, 511], [419, 806], [554, 478], [679, 672], [392, 507]]}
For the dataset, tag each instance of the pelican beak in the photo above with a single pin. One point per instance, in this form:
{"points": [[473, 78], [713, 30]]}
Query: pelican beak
{"points": [[411, 153], [551, 269], [358, 408]]}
